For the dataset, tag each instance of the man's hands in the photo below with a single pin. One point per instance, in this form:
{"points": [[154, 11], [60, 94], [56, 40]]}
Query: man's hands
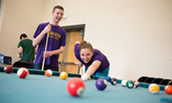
{"points": [[47, 29], [47, 54]]}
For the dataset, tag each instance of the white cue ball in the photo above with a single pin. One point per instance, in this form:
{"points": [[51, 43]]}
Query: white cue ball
{"points": [[85, 77]]}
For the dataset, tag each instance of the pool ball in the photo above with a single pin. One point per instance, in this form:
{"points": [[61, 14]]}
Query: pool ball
{"points": [[85, 77], [168, 89], [22, 72], [153, 88], [8, 68], [136, 84], [123, 82], [101, 84], [75, 87], [63, 75], [114, 81], [130, 84], [108, 78], [48, 72]]}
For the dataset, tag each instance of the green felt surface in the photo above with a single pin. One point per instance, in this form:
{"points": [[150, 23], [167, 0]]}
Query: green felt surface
{"points": [[41, 89]]}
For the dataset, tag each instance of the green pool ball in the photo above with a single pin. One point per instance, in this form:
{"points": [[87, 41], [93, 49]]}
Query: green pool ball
{"points": [[130, 84]]}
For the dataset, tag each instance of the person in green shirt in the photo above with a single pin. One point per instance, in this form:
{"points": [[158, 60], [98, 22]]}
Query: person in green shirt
{"points": [[26, 50]]}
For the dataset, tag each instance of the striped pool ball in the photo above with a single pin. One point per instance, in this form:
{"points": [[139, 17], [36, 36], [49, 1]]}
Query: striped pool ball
{"points": [[153, 88], [22, 72], [136, 84], [48, 72], [123, 82]]}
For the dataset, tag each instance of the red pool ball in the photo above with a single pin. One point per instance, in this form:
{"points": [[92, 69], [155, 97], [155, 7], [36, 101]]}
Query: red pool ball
{"points": [[136, 84], [22, 72], [8, 69], [168, 89], [75, 87]]}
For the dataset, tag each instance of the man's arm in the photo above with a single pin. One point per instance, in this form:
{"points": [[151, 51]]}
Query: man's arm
{"points": [[20, 52], [54, 52], [38, 39], [35, 50]]}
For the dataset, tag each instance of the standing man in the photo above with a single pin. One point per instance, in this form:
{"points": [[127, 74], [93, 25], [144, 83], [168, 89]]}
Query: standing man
{"points": [[26, 50], [56, 41]]}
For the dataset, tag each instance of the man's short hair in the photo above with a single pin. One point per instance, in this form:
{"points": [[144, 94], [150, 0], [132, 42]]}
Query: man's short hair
{"points": [[58, 7], [23, 35]]}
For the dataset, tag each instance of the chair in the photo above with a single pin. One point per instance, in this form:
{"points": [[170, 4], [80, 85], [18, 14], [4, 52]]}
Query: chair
{"points": [[165, 82], [142, 79], [157, 80], [23, 64], [149, 80]]}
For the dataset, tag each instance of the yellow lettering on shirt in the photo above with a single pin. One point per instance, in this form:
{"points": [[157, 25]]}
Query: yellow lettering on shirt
{"points": [[54, 35]]}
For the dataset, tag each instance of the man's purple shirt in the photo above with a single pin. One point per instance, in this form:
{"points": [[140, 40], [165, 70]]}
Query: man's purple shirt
{"points": [[57, 38]]}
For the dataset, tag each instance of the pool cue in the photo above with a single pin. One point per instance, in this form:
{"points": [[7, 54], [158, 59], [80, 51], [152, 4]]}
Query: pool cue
{"points": [[43, 62], [81, 70]]}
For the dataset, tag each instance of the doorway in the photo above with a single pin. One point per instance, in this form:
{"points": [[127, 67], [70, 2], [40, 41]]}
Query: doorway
{"points": [[67, 60]]}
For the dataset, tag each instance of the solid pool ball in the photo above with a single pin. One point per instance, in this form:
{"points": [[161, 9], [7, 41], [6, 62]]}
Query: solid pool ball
{"points": [[114, 81], [48, 72], [85, 77], [101, 84], [63, 75], [130, 84], [8, 69], [75, 87], [22, 72], [168, 89], [153, 88], [108, 78], [123, 82], [136, 84]]}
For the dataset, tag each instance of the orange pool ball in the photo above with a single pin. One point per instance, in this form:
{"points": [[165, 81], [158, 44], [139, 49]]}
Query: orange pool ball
{"points": [[48, 72], [63, 75], [168, 89], [153, 88]]}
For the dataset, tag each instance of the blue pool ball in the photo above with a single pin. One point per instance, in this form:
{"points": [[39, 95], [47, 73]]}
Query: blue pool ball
{"points": [[108, 78], [101, 84]]}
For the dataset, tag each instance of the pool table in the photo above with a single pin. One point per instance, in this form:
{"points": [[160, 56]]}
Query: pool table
{"points": [[37, 88]]}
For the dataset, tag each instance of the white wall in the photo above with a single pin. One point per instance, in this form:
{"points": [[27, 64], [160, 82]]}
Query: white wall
{"points": [[19, 16], [135, 35]]}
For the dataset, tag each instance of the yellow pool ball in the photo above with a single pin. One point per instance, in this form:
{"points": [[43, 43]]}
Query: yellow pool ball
{"points": [[63, 75], [153, 88]]}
